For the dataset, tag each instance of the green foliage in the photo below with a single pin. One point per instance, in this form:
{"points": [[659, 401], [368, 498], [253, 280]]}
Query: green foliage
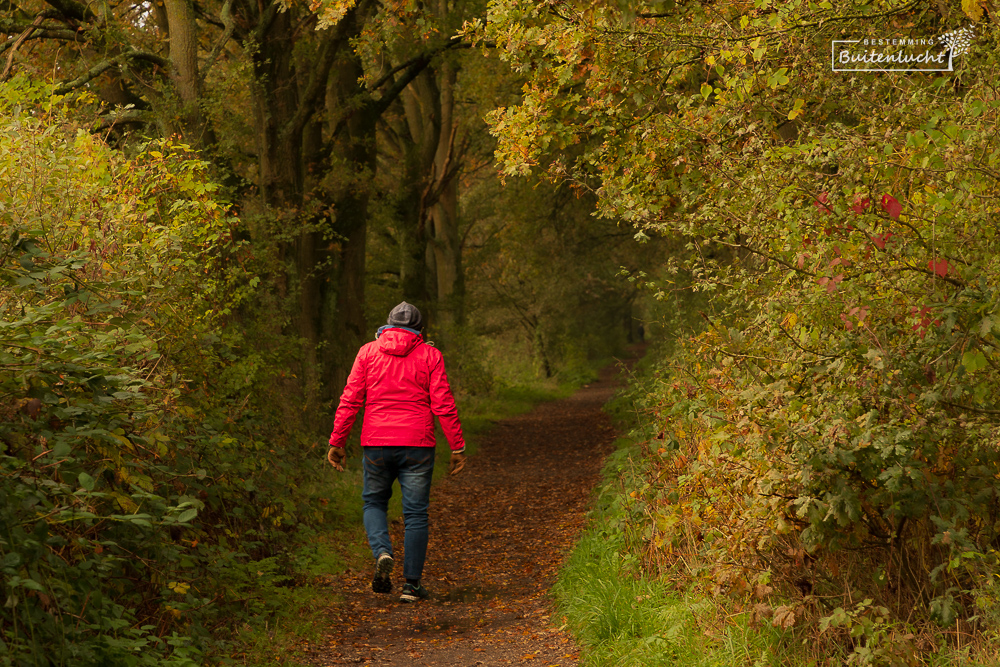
{"points": [[837, 416], [543, 275], [140, 496]]}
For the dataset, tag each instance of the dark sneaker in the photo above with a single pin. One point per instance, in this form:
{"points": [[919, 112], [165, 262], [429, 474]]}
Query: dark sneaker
{"points": [[413, 593], [381, 583]]}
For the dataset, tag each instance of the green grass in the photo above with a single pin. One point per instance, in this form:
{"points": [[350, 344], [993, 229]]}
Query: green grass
{"points": [[624, 619], [621, 617]]}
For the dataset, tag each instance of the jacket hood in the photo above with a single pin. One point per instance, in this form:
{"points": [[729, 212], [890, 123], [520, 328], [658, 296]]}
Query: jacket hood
{"points": [[398, 342]]}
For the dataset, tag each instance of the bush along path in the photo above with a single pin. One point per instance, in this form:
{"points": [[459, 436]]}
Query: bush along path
{"points": [[499, 532]]}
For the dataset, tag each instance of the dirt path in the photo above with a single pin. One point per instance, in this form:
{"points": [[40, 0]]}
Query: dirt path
{"points": [[499, 533]]}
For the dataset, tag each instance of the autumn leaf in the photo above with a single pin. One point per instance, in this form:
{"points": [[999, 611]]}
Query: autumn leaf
{"points": [[823, 203], [973, 9], [784, 617], [939, 267], [797, 109], [880, 240], [891, 206]]}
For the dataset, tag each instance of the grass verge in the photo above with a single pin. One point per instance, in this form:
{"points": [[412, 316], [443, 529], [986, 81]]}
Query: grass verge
{"points": [[622, 617]]}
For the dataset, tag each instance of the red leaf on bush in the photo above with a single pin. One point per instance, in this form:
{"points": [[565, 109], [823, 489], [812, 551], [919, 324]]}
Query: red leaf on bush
{"points": [[939, 267], [822, 203], [891, 206], [860, 204], [881, 239], [924, 320], [830, 283]]}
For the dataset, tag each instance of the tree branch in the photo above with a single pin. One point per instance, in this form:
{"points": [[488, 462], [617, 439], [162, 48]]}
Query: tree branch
{"points": [[970, 408], [72, 9], [453, 43], [798, 26], [121, 117], [100, 68], [17, 43], [88, 76], [230, 26], [316, 87], [10, 27], [264, 22]]}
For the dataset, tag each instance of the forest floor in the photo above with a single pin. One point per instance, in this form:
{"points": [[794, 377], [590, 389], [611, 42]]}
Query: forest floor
{"points": [[500, 531]]}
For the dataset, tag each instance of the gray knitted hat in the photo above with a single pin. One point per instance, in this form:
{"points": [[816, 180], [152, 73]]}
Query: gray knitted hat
{"points": [[406, 315]]}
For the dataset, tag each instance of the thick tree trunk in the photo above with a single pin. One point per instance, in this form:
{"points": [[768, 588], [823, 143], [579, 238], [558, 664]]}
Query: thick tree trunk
{"points": [[183, 49], [443, 211], [422, 113], [276, 99], [431, 167], [345, 326]]}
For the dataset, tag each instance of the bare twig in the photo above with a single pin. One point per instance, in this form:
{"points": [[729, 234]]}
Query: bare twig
{"points": [[17, 43]]}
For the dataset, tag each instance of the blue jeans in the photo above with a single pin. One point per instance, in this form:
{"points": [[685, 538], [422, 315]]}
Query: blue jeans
{"points": [[413, 467]]}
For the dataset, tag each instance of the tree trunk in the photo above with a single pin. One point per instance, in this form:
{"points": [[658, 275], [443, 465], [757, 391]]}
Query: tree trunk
{"points": [[275, 99], [183, 49], [431, 167], [443, 211], [344, 326]]}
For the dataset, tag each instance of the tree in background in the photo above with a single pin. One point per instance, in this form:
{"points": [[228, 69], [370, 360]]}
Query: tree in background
{"points": [[543, 268], [277, 97]]}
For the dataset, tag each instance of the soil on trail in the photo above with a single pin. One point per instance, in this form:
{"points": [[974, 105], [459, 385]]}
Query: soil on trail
{"points": [[500, 530]]}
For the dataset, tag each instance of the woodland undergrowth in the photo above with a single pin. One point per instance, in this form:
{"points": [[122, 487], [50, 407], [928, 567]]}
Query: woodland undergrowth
{"points": [[686, 561], [150, 478]]}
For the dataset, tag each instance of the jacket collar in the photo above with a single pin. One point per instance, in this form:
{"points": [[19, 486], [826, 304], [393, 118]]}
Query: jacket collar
{"points": [[382, 329]]}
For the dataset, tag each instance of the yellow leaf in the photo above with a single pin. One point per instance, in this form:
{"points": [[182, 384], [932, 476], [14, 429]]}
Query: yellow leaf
{"points": [[331, 11], [973, 8], [797, 109], [124, 502]]}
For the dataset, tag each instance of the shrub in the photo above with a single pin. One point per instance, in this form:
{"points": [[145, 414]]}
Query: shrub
{"points": [[130, 449]]}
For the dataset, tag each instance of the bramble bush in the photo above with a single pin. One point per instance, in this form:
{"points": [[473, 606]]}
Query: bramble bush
{"points": [[833, 433], [831, 437], [144, 479]]}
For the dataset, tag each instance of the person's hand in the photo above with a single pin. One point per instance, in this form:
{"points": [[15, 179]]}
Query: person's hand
{"points": [[457, 463], [337, 456]]}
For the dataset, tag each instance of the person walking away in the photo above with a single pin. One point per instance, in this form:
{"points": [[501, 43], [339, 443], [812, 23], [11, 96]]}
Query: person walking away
{"points": [[401, 382]]}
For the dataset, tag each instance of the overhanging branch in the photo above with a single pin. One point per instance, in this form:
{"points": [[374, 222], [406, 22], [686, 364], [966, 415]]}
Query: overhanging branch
{"points": [[121, 117], [17, 43], [102, 67], [453, 43], [72, 9], [12, 27]]}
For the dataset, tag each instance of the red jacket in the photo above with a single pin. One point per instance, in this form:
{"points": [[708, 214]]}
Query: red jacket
{"points": [[402, 385]]}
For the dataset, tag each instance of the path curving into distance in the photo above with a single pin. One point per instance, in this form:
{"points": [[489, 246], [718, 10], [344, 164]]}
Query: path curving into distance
{"points": [[500, 530]]}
